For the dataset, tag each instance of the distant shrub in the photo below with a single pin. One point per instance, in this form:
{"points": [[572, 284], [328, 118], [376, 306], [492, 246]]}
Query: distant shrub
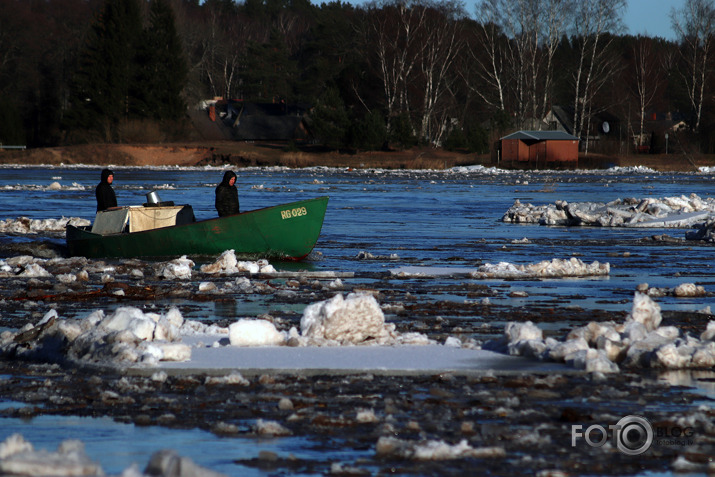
{"points": [[401, 132], [368, 134]]}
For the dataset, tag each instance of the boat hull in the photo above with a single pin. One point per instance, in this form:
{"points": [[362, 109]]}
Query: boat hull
{"points": [[288, 231]]}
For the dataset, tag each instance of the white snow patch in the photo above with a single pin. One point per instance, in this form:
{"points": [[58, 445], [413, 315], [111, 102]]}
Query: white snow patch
{"points": [[247, 332]]}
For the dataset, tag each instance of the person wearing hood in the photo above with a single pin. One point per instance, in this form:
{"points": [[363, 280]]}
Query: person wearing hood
{"points": [[104, 192], [227, 195]]}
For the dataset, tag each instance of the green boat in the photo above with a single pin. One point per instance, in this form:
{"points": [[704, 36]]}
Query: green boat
{"points": [[287, 232]]}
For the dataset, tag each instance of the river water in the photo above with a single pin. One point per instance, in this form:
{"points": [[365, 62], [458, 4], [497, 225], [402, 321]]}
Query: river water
{"points": [[397, 218]]}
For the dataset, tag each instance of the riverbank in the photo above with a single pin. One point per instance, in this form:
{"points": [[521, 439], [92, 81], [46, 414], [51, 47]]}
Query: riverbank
{"points": [[248, 154]]}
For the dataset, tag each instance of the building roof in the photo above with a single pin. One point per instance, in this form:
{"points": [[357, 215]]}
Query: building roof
{"points": [[541, 136]]}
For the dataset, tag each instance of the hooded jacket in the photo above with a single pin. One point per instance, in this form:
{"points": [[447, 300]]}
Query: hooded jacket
{"points": [[105, 193], [227, 196]]}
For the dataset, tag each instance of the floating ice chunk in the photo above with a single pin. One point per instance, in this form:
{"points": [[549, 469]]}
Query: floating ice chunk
{"points": [[562, 350], [169, 463], [234, 378], [529, 348], [25, 225], [689, 290], [673, 356], [266, 267], [164, 330], [593, 331], [174, 317], [67, 278], [14, 444], [572, 267], [453, 342], [225, 263], [645, 311], [205, 287], [69, 460], [514, 331], [270, 428], [131, 319], [250, 267], [177, 269], [34, 270], [709, 333], [392, 447], [704, 356], [255, 333], [347, 320], [173, 351]]}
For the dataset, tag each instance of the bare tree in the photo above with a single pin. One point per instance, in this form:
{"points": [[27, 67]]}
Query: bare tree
{"points": [[695, 25], [443, 41], [390, 36], [645, 79], [489, 52], [520, 38], [412, 46], [593, 19]]}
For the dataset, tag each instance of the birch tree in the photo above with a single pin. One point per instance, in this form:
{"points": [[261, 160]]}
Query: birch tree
{"points": [[695, 25], [593, 20], [443, 43], [412, 46], [645, 79], [520, 38], [390, 36]]}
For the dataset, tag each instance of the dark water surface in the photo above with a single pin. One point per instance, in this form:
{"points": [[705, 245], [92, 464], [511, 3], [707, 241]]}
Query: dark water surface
{"points": [[401, 218]]}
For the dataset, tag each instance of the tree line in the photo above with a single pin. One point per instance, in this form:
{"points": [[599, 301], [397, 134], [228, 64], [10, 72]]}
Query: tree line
{"points": [[397, 72]]}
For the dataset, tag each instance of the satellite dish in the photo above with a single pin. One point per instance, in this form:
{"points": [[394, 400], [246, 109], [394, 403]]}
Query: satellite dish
{"points": [[605, 127]]}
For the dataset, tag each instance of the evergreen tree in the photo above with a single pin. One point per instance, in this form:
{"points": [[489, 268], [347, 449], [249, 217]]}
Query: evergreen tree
{"points": [[161, 68], [402, 134], [101, 87], [329, 119], [270, 71], [369, 134]]}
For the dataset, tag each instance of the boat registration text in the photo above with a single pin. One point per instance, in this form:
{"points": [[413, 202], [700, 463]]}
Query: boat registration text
{"points": [[291, 213]]}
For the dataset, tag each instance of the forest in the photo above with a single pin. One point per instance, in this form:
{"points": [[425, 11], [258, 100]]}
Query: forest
{"points": [[387, 73]]}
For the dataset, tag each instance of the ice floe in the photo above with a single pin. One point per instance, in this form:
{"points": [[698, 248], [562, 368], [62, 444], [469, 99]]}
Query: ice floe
{"points": [[132, 337], [675, 212], [124, 337], [227, 264], [554, 268], [604, 347], [25, 225], [19, 457], [393, 447]]}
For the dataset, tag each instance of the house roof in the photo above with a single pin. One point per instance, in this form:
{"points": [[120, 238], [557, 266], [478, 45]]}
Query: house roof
{"points": [[541, 136]]}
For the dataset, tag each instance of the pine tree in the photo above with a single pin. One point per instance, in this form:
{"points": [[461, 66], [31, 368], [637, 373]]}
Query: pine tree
{"points": [[270, 71], [100, 90], [161, 68], [330, 119]]}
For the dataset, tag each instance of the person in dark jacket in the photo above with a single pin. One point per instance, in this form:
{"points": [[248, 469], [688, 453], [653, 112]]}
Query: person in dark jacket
{"points": [[227, 195], [104, 192]]}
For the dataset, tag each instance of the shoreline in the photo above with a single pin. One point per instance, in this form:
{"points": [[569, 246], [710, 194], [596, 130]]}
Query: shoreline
{"points": [[254, 154]]}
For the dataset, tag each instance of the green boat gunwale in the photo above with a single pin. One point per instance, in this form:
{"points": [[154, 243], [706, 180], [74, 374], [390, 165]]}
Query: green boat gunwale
{"points": [[80, 238]]}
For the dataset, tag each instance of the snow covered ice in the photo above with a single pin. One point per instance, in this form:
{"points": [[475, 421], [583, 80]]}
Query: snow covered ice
{"points": [[676, 212], [639, 342]]}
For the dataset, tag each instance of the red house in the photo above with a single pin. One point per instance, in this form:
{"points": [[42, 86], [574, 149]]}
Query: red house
{"points": [[539, 149]]}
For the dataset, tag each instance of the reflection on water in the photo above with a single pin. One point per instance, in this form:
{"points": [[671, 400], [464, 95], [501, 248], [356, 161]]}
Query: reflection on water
{"points": [[702, 380]]}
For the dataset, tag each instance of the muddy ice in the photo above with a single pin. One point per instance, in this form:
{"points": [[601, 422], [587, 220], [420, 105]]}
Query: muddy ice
{"points": [[105, 316]]}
